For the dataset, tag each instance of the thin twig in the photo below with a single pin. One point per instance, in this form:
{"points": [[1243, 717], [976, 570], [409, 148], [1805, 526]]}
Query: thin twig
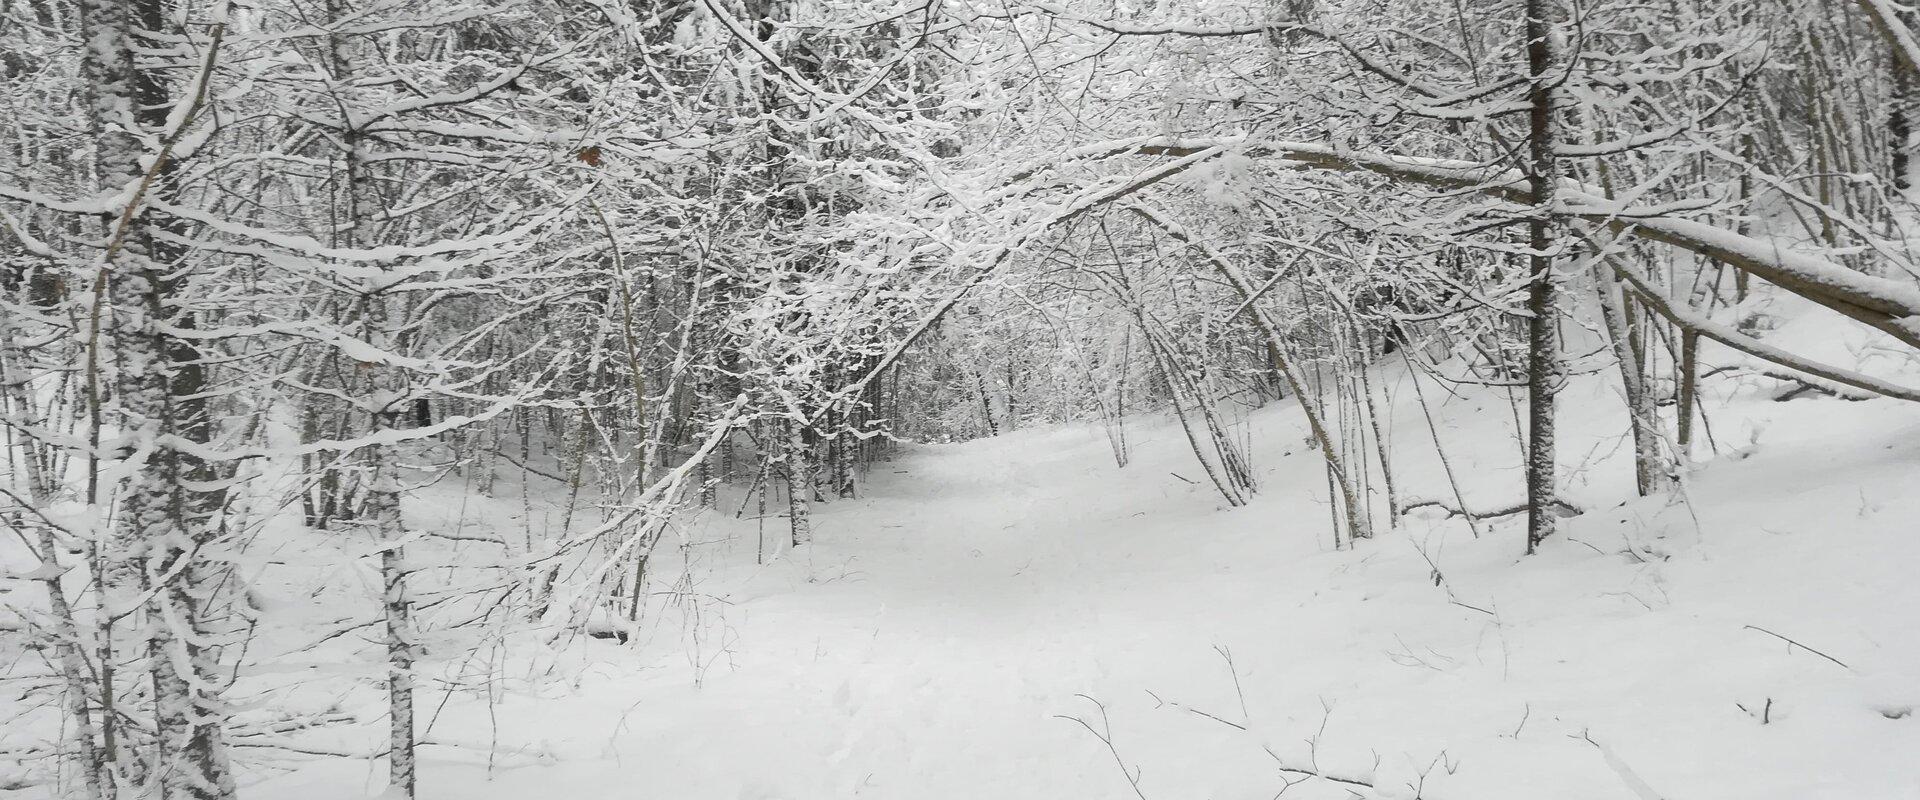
{"points": [[1842, 664], [1105, 735]]}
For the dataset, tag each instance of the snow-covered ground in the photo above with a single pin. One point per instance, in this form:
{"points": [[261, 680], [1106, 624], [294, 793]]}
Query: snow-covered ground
{"points": [[948, 633]]}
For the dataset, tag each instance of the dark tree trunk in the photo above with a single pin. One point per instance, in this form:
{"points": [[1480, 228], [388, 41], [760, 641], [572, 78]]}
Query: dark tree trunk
{"points": [[1543, 357]]}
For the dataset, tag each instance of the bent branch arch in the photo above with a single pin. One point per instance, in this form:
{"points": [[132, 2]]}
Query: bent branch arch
{"points": [[1886, 305]]}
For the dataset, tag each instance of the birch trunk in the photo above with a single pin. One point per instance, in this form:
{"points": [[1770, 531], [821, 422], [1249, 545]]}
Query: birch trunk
{"points": [[155, 567]]}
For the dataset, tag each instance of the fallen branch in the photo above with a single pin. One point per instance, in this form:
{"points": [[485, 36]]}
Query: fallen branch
{"points": [[1843, 664], [1105, 734], [1311, 773], [1558, 507], [1209, 715], [1690, 319], [1805, 385]]}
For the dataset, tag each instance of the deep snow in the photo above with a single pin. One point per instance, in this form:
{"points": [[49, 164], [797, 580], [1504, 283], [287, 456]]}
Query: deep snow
{"points": [[942, 630], [948, 632]]}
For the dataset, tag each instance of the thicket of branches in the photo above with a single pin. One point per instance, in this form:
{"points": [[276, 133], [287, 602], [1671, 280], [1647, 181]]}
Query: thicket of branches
{"points": [[280, 265]]}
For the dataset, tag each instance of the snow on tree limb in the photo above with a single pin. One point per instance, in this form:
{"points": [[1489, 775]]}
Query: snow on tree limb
{"points": [[1891, 306]]}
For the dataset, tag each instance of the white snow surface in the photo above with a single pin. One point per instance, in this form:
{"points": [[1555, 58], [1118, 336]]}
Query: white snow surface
{"points": [[940, 634], [944, 630]]}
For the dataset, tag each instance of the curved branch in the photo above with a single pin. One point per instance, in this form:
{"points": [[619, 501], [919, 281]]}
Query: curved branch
{"points": [[1890, 306], [1687, 318]]}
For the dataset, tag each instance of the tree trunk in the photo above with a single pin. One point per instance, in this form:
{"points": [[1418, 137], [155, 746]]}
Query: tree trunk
{"points": [[799, 470], [155, 554], [1543, 357], [1649, 469], [1685, 398]]}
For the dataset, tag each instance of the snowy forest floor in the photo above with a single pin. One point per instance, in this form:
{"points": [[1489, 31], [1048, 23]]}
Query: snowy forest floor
{"points": [[942, 632]]}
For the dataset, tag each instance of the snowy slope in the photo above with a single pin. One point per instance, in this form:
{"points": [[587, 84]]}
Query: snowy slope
{"points": [[942, 632]]}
